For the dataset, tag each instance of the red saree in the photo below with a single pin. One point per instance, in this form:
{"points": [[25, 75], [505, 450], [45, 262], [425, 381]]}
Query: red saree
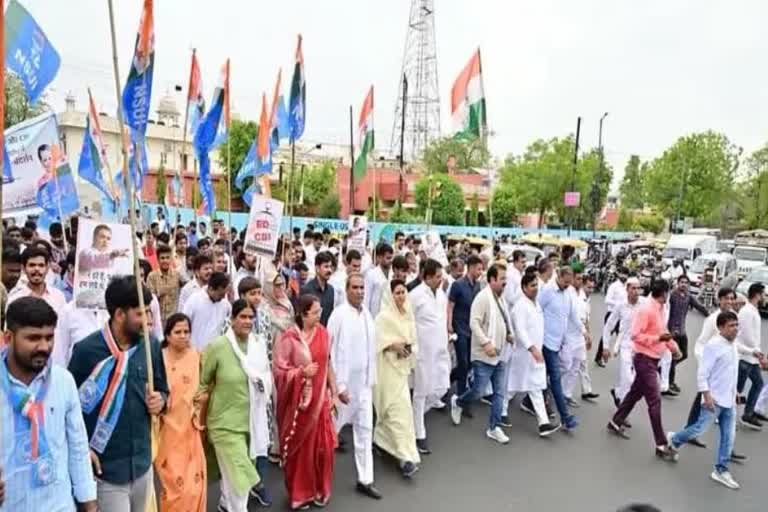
{"points": [[307, 436]]}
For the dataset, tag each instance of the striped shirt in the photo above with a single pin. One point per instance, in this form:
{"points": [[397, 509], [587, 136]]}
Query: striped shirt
{"points": [[68, 443]]}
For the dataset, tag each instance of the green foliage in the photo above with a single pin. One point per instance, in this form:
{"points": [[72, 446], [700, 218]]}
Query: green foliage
{"points": [[447, 199], [626, 220], [703, 165], [319, 182], [220, 194], [160, 185], [402, 216], [539, 178], [369, 212], [504, 206], [652, 223], [241, 136], [17, 106], [753, 192], [474, 211], [469, 154], [330, 206], [631, 188]]}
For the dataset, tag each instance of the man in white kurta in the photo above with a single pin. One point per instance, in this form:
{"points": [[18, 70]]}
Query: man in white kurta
{"points": [[208, 311], [377, 279], [353, 356], [623, 349], [528, 373], [433, 362], [615, 296], [74, 325], [573, 355], [512, 293]]}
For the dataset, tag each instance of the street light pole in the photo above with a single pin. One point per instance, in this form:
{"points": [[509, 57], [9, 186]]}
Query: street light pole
{"points": [[596, 184]]}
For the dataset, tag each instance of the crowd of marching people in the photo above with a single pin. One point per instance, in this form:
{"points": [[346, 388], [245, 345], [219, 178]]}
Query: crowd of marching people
{"points": [[255, 364]]}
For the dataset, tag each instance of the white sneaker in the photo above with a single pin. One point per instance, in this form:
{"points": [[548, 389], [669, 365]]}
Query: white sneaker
{"points": [[455, 410], [497, 435], [437, 404], [725, 478], [674, 452]]}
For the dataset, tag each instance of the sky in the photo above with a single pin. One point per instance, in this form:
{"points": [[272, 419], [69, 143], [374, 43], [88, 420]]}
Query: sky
{"points": [[661, 68]]}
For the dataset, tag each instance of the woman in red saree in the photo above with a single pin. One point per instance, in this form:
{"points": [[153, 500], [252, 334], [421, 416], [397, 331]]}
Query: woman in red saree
{"points": [[306, 387]]}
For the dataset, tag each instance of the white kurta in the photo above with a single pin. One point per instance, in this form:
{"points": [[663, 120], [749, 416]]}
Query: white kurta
{"points": [[74, 325], [525, 374], [187, 291], [208, 318], [433, 363], [353, 357], [339, 283], [512, 290], [375, 283]]}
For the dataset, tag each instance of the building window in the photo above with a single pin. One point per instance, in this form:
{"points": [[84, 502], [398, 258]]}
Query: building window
{"points": [[163, 159]]}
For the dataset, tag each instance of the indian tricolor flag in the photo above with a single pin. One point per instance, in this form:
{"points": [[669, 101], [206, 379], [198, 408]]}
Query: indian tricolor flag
{"points": [[468, 100], [365, 130]]}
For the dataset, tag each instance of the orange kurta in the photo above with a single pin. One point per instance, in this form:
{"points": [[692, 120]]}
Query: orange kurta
{"points": [[180, 462]]}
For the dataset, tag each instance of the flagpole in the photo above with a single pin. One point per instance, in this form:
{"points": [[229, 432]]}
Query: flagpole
{"points": [[229, 159], [402, 141], [289, 196], [184, 139], [351, 164], [131, 212]]}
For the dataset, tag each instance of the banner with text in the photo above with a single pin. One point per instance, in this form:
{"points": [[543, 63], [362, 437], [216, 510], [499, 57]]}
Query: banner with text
{"points": [[263, 228], [358, 232]]}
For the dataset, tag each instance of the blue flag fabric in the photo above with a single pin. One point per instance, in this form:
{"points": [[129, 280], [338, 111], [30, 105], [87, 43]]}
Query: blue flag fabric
{"points": [[89, 167], [28, 53], [7, 172], [283, 123], [297, 111], [137, 93], [250, 192], [55, 190], [248, 167], [206, 187], [205, 137]]}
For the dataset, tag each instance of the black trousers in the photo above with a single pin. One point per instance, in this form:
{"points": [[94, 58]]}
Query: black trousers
{"points": [[682, 343], [599, 351], [693, 415]]}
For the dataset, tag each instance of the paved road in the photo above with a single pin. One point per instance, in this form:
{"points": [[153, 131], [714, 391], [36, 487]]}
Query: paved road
{"points": [[584, 471]]}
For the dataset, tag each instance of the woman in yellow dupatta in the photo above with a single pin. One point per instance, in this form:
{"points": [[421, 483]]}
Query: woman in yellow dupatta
{"points": [[395, 359], [180, 461]]}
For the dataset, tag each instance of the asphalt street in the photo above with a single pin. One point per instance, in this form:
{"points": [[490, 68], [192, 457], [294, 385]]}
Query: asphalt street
{"points": [[587, 470]]}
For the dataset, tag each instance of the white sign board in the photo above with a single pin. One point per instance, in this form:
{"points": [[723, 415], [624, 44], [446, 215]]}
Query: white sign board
{"points": [[104, 251], [358, 233], [433, 247], [263, 229]]}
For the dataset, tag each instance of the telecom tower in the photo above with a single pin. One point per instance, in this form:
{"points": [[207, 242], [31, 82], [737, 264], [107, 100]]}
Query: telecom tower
{"points": [[422, 94]]}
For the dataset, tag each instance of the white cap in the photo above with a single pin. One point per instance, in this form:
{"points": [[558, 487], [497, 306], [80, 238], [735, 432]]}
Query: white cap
{"points": [[633, 281]]}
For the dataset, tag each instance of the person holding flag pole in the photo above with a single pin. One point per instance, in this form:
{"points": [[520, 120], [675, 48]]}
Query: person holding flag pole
{"points": [[123, 445]]}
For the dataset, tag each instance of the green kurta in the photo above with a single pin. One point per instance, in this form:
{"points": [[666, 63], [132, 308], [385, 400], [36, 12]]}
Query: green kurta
{"points": [[228, 408]]}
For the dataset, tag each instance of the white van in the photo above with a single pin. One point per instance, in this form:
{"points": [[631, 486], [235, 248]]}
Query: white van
{"points": [[688, 248]]}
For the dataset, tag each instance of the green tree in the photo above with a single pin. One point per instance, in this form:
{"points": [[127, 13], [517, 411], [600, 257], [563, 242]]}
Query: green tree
{"points": [[626, 221], [702, 166], [401, 215], [652, 223], [469, 153], [447, 199], [160, 185], [504, 206], [330, 206], [539, 178], [631, 188], [17, 105], [753, 191], [241, 136], [474, 211]]}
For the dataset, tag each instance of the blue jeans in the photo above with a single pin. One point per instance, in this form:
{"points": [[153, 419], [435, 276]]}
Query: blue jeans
{"points": [[552, 362], [751, 372], [726, 417], [461, 372], [484, 372]]}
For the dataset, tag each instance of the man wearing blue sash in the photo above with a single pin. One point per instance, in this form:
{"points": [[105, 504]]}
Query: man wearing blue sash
{"points": [[110, 369], [44, 444]]}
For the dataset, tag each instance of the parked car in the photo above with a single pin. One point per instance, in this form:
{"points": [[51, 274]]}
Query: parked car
{"points": [[757, 275]]}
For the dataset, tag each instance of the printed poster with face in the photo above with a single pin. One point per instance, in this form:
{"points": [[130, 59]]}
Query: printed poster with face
{"points": [[433, 247], [357, 233], [104, 251], [263, 229]]}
